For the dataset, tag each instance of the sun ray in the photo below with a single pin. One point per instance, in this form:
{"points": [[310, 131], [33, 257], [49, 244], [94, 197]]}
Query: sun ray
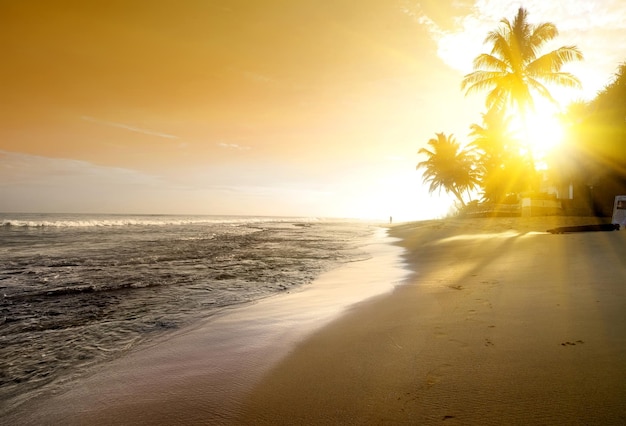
{"points": [[540, 130]]}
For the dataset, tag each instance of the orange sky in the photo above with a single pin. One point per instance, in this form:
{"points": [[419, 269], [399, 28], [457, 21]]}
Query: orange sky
{"points": [[274, 107]]}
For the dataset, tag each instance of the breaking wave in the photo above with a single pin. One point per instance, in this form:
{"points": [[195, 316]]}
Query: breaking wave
{"points": [[85, 221], [77, 290]]}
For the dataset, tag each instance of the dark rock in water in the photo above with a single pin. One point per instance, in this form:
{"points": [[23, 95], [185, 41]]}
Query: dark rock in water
{"points": [[585, 228]]}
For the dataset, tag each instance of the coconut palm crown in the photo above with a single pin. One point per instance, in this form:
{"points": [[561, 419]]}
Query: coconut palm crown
{"points": [[502, 169], [448, 166], [513, 69]]}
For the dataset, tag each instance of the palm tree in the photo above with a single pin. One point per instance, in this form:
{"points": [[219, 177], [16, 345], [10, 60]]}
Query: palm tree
{"points": [[593, 159], [513, 69], [494, 137], [448, 166], [502, 170]]}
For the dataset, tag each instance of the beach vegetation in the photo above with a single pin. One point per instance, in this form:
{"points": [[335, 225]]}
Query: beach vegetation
{"points": [[515, 73], [508, 155], [449, 166], [593, 157], [502, 169], [514, 70]]}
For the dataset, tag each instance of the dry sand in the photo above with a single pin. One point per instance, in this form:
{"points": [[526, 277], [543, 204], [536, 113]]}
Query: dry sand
{"points": [[500, 323]]}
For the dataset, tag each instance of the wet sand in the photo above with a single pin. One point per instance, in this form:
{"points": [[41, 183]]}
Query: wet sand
{"points": [[200, 374], [500, 323]]}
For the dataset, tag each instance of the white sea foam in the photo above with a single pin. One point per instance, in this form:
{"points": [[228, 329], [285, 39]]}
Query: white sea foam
{"points": [[83, 221]]}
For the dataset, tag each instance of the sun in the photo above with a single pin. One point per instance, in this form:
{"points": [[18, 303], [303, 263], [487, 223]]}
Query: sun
{"points": [[545, 133], [542, 131]]}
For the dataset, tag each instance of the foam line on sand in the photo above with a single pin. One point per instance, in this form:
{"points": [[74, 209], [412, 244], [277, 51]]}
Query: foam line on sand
{"points": [[499, 323], [199, 375]]}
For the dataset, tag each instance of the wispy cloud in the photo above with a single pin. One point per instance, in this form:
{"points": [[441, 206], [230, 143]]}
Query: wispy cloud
{"points": [[17, 169], [264, 80], [31, 183], [233, 146], [128, 127], [258, 77]]}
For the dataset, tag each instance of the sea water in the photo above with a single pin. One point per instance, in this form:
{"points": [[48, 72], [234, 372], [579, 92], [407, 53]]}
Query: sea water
{"points": [[76, 290]]}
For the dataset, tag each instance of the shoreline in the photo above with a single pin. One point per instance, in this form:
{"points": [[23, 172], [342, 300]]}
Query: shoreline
{"points": [[198, 374], [497, 322], [501, 323]]}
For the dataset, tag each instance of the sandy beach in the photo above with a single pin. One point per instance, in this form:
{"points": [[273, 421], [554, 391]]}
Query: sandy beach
{"points": [[499, 322]]}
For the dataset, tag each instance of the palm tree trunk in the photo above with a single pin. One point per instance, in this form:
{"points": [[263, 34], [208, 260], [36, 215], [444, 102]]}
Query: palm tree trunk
{"points": [[531, 157], [458, 197]]}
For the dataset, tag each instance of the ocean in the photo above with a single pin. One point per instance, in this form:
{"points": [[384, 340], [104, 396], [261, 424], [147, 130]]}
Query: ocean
{"points": [[78, 290]]}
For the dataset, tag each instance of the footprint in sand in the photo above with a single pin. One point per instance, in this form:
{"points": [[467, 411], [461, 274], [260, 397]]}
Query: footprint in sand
{"points": [[461, 344], [490, 283], [438, 332], [435, 376], [568, 343]]}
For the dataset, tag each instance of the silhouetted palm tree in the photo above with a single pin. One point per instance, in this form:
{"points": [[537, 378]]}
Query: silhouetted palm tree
{"points": [[494, 137], [502, 169], [513, 69], [448, 166]]}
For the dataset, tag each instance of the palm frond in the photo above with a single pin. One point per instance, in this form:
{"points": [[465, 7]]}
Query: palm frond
{"points": [[553, 61], [518, 38], [542, 34], [564, 79], [541, 89], [521, 19], [497, 99], [499, 32], [488, 62], [480, 80], [500, 46], [513, 71], [425, 152]]}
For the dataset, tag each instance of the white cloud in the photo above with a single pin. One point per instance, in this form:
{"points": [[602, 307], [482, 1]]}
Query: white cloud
{"points": [[596, 27], [129, 127], [234, 146]]}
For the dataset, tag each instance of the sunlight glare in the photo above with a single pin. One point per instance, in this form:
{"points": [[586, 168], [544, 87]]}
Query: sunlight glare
{"points": [[544, 131], [398, 193]]}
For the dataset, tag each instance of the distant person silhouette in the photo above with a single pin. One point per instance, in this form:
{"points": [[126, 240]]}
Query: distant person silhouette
{"points": [[390, 220]]}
